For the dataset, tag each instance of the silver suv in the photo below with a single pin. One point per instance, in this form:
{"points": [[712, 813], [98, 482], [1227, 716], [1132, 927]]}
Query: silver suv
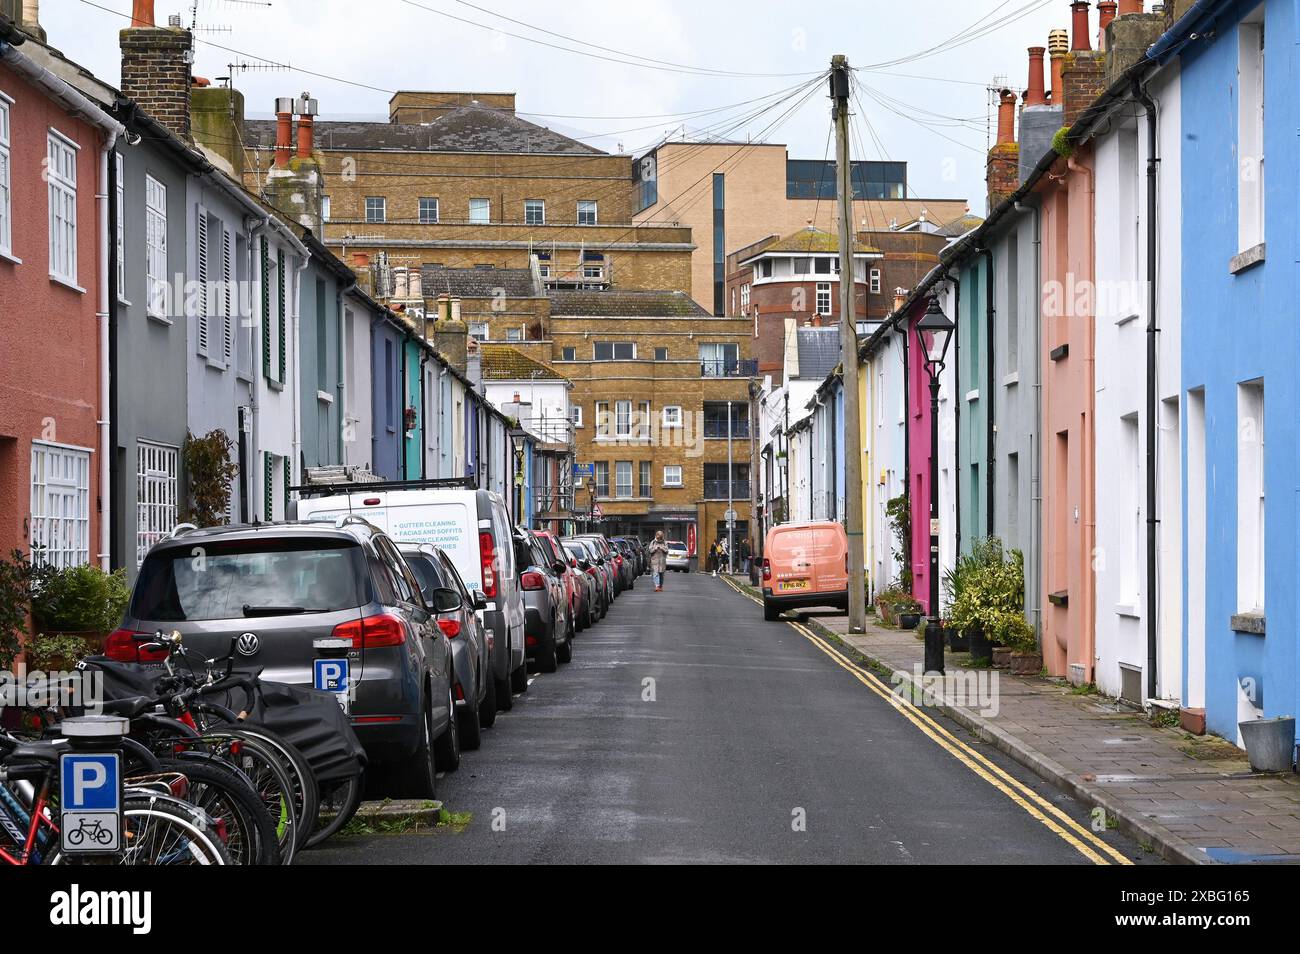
{"points": [[330, 602]]}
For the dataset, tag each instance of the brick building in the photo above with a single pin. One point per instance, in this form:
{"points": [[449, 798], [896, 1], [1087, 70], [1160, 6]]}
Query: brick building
{"points": [[732, 195]]}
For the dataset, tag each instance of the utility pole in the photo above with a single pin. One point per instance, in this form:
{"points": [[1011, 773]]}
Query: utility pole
{"points": [[849, 348]]}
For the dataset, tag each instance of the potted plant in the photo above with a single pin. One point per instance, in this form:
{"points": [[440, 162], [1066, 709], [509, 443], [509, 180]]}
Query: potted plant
{"points": [[954, 579], [73, 609], [908, 612], [989, 605], [888, 601]]}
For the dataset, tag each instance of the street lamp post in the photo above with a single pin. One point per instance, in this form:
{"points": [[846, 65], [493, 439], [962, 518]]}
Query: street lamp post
{"points": [[933, 332]]}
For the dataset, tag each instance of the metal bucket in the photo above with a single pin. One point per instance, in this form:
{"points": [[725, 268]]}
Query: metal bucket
{"points": [[1270, 743]]}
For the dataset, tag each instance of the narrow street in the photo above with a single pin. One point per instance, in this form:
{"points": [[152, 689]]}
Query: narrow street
{"points": [[751, 728]]}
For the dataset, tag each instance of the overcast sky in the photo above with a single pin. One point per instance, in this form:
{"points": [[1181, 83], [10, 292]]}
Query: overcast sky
{"points": [[365, 49]]}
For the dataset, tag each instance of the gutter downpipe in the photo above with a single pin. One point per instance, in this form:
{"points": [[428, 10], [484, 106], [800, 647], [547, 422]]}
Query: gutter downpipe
{"points": [[956, 415], [297, 365], [255, 232], [1153, 329], [990, 425], [107, 316], [1035, 475], [1089, 449], [907, 445]]}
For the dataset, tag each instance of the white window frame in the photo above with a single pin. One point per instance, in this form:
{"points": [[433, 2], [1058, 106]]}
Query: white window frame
{"points": [[590, 208], [544, 270], [156, 494], [1250, 130], [325, 208], [744, 298], [672, 475], [381, 207], [643, 421], [531, 205], [60, 504], [623, 419], [120, 237], [613, 346], [155, 238], [61, 176], [672, 415], [619, 466], [875, 281], [420, 210], [823, 298], [1251, 514], [6, 181], [577, 415], [479, 330], [593, 272], [484, 206]]}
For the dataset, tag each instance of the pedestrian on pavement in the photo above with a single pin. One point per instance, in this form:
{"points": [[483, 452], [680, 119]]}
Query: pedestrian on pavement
{"points": [[659, 560]]}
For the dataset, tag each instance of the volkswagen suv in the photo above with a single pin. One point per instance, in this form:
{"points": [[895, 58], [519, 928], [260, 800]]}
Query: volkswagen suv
{"points": [[290, 594]]}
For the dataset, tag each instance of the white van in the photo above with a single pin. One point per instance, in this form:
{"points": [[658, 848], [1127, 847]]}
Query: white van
{"points": [[473, 528]]}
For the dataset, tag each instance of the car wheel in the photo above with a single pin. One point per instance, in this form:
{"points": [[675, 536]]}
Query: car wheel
{"points": [[564, 652], [446, 749], [467, 724], [419, 775], [546, 661], [519, 677], [487, 709], [771, 613]]}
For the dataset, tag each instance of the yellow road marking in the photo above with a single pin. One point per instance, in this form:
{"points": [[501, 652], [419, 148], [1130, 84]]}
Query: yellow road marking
{"points": [[1038, 807]]}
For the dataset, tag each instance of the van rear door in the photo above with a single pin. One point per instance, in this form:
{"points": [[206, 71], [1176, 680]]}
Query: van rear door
{"points": [[450, 524], [790, 550], [828, 553]]}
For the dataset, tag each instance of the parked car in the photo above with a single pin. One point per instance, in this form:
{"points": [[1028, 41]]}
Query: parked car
{"points": [[473, 688], [605, 569], [588, 586], [631, 547], [574, 590], [473, 528], [678, 556], [611, 557], [805, 564], [547, 639], [589, 561], [282, 593], [631, 562]]}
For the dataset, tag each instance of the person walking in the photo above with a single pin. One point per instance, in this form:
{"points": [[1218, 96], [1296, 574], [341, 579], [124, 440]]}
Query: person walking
{"points": [[659, 559]]}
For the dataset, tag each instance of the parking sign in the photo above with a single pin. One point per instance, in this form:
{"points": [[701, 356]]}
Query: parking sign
{"points": [[90, 793], [331, 675]]}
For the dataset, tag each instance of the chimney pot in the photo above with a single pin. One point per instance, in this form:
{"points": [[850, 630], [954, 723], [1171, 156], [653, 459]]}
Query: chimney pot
{"points": [[1105, 13], [142, 13], [1058, 44], [1129, 6], [1034, 95], [283, 130], [1006, 117], [1079, 14]]}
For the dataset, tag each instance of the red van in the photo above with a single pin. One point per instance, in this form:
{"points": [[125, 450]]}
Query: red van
{"points": [[805, 564]]}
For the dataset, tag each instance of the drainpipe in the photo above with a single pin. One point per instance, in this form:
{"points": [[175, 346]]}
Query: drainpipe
{"points": [[111, 516], [401, 413], [1034, 586], [990, 426], [106, 315], [424, 417], [907, 442], [1153, 165], [297, 362], [956, 415], [256, 233]]}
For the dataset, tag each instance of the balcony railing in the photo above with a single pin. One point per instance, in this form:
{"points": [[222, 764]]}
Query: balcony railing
{"points": [[717, 489], [739, 429], [720, 368]]}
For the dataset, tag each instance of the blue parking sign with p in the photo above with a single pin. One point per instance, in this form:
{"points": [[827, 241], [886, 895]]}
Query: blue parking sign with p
{"points": [[90, 801], [332, 675]]}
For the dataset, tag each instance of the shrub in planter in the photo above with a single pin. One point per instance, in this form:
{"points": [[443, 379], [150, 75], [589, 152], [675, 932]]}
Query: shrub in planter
{"points": [[82, 602], [60, 651], [988, 597], [15, 597]]}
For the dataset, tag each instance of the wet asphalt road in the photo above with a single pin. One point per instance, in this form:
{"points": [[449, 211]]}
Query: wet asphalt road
{"points": [[688, 730]]}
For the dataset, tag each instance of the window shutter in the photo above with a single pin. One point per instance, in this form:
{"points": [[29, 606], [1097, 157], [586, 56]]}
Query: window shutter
{"points": [[265, 316], [228, 293], [201, 266], [279, 261], [288, 480], [268, 484]]}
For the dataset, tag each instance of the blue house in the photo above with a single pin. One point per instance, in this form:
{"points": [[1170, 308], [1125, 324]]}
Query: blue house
{"points": [[1239, 356]]}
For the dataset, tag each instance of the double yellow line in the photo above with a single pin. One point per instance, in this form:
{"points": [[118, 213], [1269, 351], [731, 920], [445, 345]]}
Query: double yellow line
{"points": [[1057, 821]]}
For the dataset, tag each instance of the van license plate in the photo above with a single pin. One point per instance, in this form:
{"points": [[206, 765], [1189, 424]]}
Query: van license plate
{"points": [[794, 584]]}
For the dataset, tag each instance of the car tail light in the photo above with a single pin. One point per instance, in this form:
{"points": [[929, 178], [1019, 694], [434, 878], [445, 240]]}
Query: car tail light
{"points": [[767, 568], [459, 693], [122, 646], [450, 626], [487, 548], [532, 581], [592, 570], [372, 632], [530, 640]]}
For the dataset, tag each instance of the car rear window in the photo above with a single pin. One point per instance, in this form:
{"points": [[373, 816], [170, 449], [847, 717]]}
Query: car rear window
{"points": [[427, 572], [229, 580]]}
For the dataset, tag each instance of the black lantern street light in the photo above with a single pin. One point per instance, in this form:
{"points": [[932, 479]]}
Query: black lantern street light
{"points": [[933, 333]]}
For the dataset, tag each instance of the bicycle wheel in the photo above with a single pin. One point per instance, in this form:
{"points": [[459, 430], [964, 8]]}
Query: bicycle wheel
{"points": [[339, 801], [261, 765], [157, 832], [305, 791], [224, 794]]}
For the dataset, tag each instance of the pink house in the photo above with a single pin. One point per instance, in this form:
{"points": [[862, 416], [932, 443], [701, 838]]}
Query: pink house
{"points": [[53, 286], [918, 456]]}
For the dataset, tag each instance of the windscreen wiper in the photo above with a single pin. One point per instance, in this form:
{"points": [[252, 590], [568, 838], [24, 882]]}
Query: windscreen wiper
{"points": [[250, 610]]}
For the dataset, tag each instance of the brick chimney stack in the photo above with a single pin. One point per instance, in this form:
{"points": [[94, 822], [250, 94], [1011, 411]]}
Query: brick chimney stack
{"points": [[1002, 172], [1079, 25], [1035, 94], [156, 68]]}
